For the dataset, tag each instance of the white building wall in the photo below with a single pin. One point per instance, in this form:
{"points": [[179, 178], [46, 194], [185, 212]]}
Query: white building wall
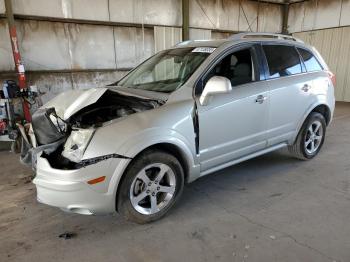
{"points": [[166, 37], [318, 14], [234, 15], [2, 7]]}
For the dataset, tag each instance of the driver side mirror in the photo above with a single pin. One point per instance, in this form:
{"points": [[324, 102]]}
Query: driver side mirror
{"points": [[215, 85]]}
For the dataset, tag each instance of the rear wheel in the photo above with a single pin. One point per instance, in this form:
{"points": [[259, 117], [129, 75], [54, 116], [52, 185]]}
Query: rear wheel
{"points": [[151, 186], [310, 138]]}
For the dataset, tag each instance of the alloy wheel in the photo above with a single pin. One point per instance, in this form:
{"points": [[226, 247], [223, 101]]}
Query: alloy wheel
{"points": [[313, 137], [152, 188]]}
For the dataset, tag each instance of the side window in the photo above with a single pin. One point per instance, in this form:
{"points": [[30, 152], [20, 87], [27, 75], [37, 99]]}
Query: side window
{"points": [[238, 67], [282, 60], [310, 60]]}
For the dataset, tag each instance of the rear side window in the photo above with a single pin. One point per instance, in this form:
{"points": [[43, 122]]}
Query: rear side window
{"points": [[310, 60], [282, 60]]}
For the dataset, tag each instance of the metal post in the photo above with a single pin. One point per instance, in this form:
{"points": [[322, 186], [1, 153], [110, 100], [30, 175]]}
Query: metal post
{"points": [[285, 18], [16, 55], [185, 20]]}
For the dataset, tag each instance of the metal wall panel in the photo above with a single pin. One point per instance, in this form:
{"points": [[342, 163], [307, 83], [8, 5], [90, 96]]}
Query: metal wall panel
{"points": [[90, 9], [200, 34], [309, 15], [6, 59], [51, 8], [164, 12], [78, 9], [62, 46], [133, 45], [91, 47], [270, 18], [2, 7], [296, 17], [345, 13], [221, 14], [165, 37], [318, 14], [229, 15], [248, 16], [44, 45], [327, 14], [333, 44]]}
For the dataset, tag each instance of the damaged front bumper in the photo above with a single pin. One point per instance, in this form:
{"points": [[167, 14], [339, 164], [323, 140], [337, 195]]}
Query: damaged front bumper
{"points": [[70, 191]]}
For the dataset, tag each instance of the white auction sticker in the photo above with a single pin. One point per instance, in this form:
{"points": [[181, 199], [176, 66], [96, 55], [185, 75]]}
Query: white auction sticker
{"points": [[203, 50], [21, 69]]}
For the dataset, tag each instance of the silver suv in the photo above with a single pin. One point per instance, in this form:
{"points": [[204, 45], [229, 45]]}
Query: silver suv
{"points": [[185, 112]]}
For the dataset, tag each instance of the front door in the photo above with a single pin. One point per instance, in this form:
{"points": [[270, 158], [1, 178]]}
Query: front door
{"points": [[233, 125]]}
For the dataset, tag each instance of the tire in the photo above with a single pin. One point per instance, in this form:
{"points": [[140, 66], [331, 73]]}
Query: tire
{"points": [[139, 187], [306, 145]]}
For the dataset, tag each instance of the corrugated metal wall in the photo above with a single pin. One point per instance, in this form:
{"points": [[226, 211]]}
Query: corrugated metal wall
{"points": [[165, 37], [334, 45], [84, 43], [235, 15], [318, 14]]}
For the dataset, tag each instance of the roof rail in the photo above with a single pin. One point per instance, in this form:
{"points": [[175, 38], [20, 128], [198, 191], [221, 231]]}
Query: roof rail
{"points": [[264, 35]]}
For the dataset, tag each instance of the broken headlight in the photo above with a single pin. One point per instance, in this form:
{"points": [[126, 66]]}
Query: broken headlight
{"points": [[76, 144]]}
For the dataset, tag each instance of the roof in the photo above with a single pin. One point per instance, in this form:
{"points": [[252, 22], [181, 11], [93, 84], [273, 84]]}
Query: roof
{"points": [[241, 37]]}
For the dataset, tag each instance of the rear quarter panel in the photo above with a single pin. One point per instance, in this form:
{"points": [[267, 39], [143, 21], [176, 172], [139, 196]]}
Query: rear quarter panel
{"points": [[322, 93]]}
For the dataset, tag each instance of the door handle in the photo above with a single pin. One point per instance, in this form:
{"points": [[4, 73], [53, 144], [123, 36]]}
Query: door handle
{"points": [[260, 99], [306, 88]]}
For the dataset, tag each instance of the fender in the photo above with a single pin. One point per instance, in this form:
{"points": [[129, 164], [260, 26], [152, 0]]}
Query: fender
{"points": [[156, 136], [148, 139]]}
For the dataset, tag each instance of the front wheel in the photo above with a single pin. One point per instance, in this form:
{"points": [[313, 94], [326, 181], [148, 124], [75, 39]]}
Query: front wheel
{"points": [[151, 186], [310, 138]]}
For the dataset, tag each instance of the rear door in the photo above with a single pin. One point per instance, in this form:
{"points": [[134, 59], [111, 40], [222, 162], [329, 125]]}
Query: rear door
{"points": [[290, 94]]}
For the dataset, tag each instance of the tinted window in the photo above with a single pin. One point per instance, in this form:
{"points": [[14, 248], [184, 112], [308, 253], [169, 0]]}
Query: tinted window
{"points": [[237, 67], [310, 60], [282, 60]]}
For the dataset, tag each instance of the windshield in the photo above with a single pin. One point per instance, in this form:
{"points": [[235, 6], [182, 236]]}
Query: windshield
{"points": [[166, 71]]}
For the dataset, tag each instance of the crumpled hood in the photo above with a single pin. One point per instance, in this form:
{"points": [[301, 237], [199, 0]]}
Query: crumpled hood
{"points": [[68, 103]]}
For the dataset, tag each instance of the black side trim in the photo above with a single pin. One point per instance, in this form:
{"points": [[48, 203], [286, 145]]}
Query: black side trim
{"points": [[94, 160], [196, 126]]}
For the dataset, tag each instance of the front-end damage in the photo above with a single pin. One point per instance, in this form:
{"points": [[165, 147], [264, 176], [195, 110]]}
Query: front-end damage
{"points": [[63, 128]]}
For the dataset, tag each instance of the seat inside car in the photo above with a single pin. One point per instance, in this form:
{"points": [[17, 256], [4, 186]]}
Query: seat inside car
{"points": [[242, 74]]}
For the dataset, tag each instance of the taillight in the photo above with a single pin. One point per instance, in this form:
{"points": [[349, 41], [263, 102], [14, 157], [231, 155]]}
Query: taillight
{"points": [[332, 77]]}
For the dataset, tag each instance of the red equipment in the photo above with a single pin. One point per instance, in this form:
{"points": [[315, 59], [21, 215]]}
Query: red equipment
{"points": [[20, 69]]}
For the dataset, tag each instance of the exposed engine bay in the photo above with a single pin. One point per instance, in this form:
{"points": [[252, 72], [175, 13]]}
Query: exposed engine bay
{"points": [[63, 141], [110, 106]]}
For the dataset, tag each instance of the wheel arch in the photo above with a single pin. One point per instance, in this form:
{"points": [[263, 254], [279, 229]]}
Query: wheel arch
{"points": [[324, 110], [321, 108], [167, 147]]}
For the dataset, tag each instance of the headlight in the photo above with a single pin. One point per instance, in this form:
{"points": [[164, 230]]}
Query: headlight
{"points": [[76, 144]]}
